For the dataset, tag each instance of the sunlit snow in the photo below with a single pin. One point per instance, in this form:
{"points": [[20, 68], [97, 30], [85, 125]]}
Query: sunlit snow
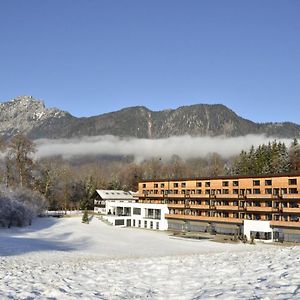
{"points": [[65, 259]]}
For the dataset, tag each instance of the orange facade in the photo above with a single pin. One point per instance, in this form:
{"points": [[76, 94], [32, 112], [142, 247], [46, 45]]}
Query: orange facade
{"points": [[231, 200]]}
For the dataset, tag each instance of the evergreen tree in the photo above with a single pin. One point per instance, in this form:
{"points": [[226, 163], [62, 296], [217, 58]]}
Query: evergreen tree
{"points": [[272, 158], [85, 217], [294, 156]]}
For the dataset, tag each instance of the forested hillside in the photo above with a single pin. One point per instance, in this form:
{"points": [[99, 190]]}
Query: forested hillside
{"points": [[30, 117]]}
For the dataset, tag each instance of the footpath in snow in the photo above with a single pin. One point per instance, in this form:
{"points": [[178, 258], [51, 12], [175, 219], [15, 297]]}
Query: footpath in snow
{"points": [[65, 259]]}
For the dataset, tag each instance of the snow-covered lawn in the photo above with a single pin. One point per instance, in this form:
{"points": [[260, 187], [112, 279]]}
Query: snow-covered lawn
{"points": [[65, 259]]}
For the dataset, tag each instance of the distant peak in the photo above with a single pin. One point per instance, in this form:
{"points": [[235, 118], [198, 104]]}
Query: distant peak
{"points": [[25, 99]]}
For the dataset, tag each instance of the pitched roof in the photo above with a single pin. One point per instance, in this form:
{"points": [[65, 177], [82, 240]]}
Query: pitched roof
{"points": [[114, 195]]}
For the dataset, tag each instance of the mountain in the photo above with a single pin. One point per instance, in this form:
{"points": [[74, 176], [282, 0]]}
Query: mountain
{"points": [[30, 116]]}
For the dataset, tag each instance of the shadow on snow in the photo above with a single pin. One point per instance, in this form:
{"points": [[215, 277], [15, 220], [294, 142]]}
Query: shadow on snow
{"points": [[14, 242]]}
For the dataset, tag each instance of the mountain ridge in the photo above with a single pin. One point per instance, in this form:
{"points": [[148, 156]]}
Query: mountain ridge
{"points": [[27, 115]]}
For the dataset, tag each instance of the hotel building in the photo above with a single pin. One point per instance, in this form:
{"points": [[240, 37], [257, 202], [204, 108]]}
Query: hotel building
{"points": [[266, 207], [123, 209]]}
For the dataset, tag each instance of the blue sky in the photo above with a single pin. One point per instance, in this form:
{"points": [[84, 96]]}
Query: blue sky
{"points": [[92, 56]]}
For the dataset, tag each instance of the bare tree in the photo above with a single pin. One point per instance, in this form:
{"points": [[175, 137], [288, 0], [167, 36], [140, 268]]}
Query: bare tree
{"points": [[19, 151]]}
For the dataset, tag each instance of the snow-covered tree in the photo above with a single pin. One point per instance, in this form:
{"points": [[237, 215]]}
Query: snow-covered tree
{"points": [[19, 206]]}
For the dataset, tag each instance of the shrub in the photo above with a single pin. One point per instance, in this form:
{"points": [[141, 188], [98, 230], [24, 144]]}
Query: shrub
{"points": [[19, 206]]}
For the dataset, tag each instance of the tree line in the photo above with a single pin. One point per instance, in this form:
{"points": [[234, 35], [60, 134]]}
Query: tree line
{"points": [[273, 158], [69, 183]]}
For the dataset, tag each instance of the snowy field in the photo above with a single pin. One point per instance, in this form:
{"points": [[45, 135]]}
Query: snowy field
{"points": [[65, 259]]}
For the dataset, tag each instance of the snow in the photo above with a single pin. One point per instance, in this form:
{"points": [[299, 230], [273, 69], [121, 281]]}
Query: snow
{"points": [[65, 259]]}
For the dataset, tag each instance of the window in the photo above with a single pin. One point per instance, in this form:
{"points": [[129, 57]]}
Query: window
{"points": [[119, 222], [182, 191], [248, 191], [285, 218], [140, 223], [183, 184], [256, 191], [294, 218], [293, 191], [268, 191], [268, 182], [256, 182], [155, 185], [198, 184], [162, 191], [207, 192], [145, 224], [198, 191], [276, 191], [133, 223], [225, 191], [162, 185], [155, 191], [136, 211], [235, 191], [144, 185], [219, 191], [283, 191], [207, 184], [175, 184], [225, 183], [235, 183], [157, 225], [175, 191], [293, 181], [151, 224]]}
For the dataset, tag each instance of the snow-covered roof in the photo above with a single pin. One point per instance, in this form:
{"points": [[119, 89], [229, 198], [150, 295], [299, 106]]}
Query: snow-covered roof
{"points": [[114, 195]]}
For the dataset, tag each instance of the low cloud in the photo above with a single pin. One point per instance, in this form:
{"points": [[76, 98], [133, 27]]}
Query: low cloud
{"points": [[184, 146]]}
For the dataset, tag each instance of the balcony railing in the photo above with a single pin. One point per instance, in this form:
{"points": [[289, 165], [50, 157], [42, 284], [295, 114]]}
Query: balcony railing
{"points": [[295, 210], [227, 207], [199, 206], [204, 218], [173, 205], [285, 223], [290, 196], [259, 208], [154, 217]]}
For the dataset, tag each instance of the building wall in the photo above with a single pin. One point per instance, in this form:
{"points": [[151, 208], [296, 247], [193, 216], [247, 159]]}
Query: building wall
{"points": [[129, 211], [251, 227], [227, 200]]}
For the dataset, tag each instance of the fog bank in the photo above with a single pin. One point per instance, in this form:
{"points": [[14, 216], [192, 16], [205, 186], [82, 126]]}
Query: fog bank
{"points": [[184, 146]]}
